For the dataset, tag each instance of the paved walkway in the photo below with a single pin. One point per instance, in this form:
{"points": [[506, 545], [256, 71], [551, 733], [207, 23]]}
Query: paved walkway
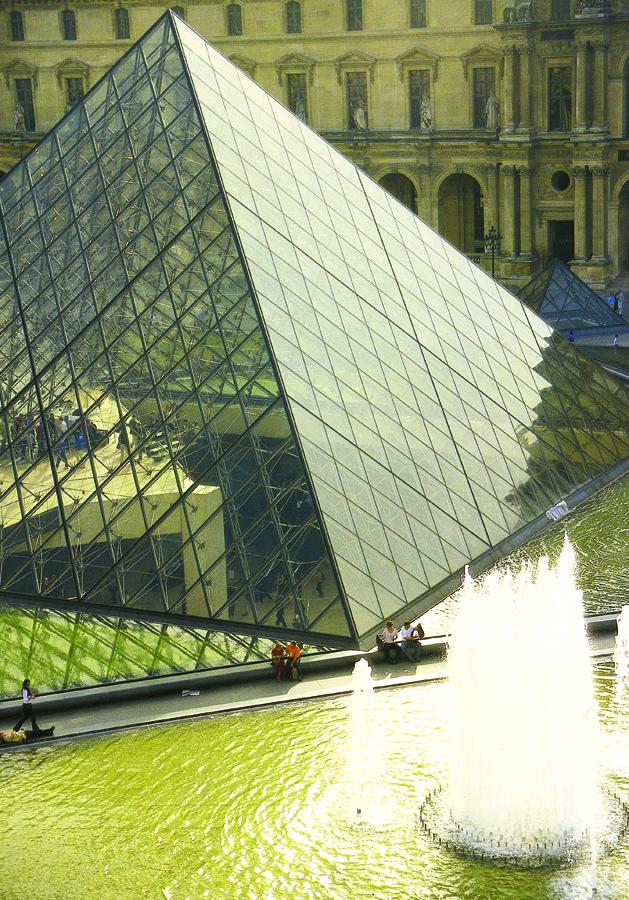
{"points": [[100, 718]]}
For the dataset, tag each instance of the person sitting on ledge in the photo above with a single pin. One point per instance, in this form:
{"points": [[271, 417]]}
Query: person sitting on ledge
{"points": [[411, 635], [278, 657], [389, 642], [293, 665]]}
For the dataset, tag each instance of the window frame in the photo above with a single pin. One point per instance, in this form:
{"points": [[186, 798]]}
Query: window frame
{"points": [[551, 66], [294, 5], [228, 20], [66, 84], [476, 4], [474, 69], [426, 73], [351, 7], [348, 114], [179, 11], [564, 14], [302, 73], [26, 77], [117, 11], [66, 16], [411, 6], [16, 15]]}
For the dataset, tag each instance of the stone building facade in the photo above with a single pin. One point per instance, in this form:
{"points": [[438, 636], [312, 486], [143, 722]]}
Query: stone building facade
{"points": [[473, 112]]}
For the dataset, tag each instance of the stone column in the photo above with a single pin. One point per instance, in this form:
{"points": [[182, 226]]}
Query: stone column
{"points": [[600, 122], [492, 211], [579, 213], [508, 116], [526, 220], [599, 217], [580, 110], [424, 200], [508, 210], [525, 89]]}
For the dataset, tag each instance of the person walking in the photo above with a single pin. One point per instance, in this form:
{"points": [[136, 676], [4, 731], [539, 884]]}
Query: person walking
{"points": [[620, 297], [615, 342], [27, 707]]}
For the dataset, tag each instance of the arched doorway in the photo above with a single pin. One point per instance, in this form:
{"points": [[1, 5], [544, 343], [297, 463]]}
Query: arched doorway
{"points": [[461, 214], [623, 228], [402, 188]]}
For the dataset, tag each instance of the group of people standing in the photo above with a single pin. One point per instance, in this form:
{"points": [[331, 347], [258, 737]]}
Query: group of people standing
{"points": [[286, 661], [616, 300]]}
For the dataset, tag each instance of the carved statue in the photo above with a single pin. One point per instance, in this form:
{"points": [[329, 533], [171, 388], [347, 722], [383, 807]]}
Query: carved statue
{"points": [[300, 110], [360, 116], [20, 119], [508, 13], [425, 114], [492, 113]]}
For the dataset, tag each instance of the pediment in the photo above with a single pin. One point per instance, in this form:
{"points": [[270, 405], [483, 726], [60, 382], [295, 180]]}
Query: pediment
{"points": [[354, 60], [72, 66], [294, 61], [418, 57], [20, 68], [245, 63], [482, 53]]}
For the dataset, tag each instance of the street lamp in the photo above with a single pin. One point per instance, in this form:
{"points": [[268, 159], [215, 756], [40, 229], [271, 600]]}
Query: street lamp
{"points": [[492, 243]]}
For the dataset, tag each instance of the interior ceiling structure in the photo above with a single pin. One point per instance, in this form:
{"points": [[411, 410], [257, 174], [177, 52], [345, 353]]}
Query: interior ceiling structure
{"points": [[243, 387]]}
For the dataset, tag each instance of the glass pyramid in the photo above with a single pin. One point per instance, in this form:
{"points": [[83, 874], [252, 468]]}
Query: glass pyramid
{"points": [[243, 387], [567, 303]]}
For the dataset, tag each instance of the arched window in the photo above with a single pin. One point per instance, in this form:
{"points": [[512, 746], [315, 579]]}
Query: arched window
{"points": [[626, 98], [179, 11], [293, 17], [16, 21], [234, 18], [68, 24], [121, 18]]}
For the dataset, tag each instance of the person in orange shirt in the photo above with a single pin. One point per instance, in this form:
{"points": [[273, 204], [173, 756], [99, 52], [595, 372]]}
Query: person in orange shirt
{"points": [[293, 651], [278, 657]]}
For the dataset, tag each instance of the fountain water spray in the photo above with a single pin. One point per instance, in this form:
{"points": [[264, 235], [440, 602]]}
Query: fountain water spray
{"points": [[621, 653], [361, 733], [523, 784]]}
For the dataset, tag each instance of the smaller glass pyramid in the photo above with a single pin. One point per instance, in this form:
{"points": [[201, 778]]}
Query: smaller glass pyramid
{"points": [[567, 303]]}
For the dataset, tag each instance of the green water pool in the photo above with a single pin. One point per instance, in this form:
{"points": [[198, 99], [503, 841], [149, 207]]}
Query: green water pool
{"points": [[255, 807]]}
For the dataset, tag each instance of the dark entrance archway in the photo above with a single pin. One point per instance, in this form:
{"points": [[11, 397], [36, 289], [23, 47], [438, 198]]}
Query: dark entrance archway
{"points": [[461, 214], [402, 188], [561, 239]]}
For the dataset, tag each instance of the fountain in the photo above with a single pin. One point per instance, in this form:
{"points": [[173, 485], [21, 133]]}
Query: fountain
{"points": [[361, 726], [523, 785], [621, 653]]}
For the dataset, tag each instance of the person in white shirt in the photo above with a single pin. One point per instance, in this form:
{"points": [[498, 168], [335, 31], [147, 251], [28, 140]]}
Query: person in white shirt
{"points": [[411, 648], [27, 707], [389, 642]]}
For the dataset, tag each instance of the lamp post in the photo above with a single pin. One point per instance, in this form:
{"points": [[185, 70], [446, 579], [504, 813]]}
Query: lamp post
{"points": [[492, 243]]}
